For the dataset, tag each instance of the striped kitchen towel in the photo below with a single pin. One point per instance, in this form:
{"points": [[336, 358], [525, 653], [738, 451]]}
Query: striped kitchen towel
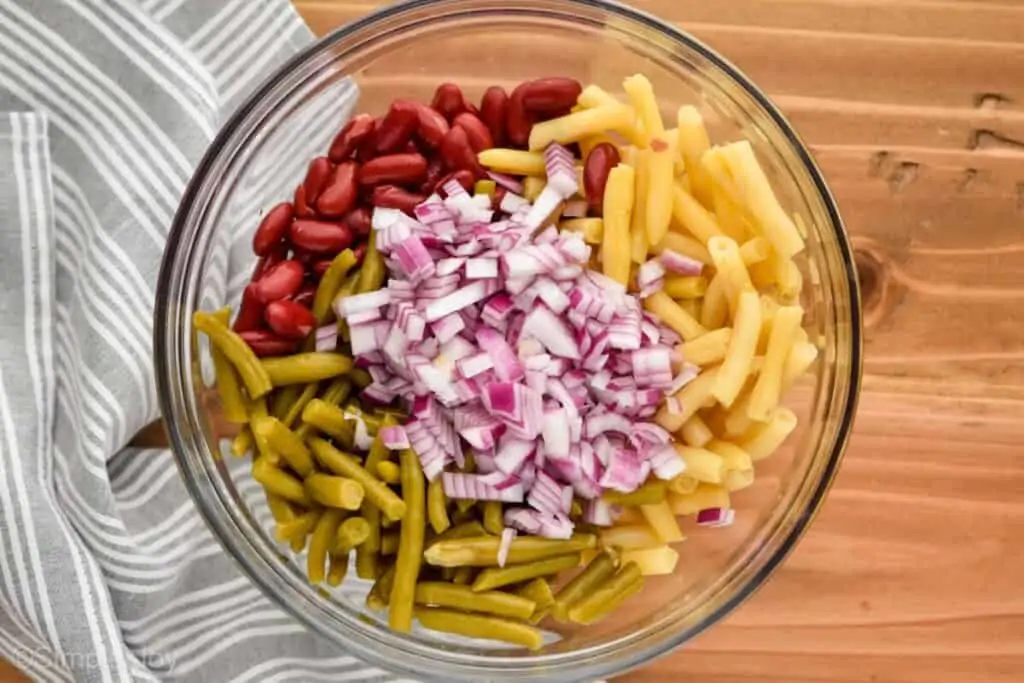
{"points": [[107, 572]]}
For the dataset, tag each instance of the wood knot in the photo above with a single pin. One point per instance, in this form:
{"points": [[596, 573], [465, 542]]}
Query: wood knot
{"points": [[879, 291]]}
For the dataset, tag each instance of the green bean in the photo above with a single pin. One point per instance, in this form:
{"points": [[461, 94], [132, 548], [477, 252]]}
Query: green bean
{"points": [[298, 528], [373, 270], [339, 568], [389, 543], [320, 543], [462, 598], [330, 420], [361, 378], [351, 534], [366, 554], [600, 569], [330, 283], [464, 505], [279, 482], [303, 368], [538, 590], [298, 544], [470, 529], [242, 443], [380, 595], [389, 472], [651, 493], [373, 421], [609, 595], [334, 492], [494, 519], [228, 382], [437, 507], [281, 399], [480, 626], [280, 509], [497, 577], [257, 410], [483, 552], [295, 409], [576, 511], [410, 551], [463, 576], [285, 442], [337, 391], [254, 375], [377, 491]]}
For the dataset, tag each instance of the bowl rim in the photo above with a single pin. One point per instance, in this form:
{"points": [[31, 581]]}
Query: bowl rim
{"points": [[525, 666]]}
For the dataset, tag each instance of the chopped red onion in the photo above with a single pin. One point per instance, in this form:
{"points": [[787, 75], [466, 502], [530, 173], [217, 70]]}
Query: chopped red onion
{"points": [[394, 437], [456, 301], [716, 517], [327, 337], [481, 268], [473, 486], [506, 181], [665, 462], [507, 536], [598, 512], [679, 264], [345, 306]]}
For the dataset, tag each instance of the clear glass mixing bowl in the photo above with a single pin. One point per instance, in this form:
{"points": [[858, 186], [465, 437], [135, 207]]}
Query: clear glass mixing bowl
{"points": [[405, 51]]}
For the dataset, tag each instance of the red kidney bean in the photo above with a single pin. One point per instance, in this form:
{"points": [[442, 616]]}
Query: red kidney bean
{"points": [[367, 148], [305, 257], [281, 282], [320, 237], [458, 154], [349, 138], [317, 175], [272, 228], [448, 100], [600, 162], [302, 208], [435, 169], [499, 195], [319, 268], [265, 343], [518, 121], [398, 127], [340, 196], [394, 169], [431, 125], [250, 312], [277, 253], [463, 177], [289, 319], [391, 197], [551, 94], [306, 295], [360, 221], [476, 132], [493, 109]]}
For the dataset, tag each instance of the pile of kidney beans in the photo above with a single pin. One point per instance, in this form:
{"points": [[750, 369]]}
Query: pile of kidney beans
{"points": [[395, 161]]}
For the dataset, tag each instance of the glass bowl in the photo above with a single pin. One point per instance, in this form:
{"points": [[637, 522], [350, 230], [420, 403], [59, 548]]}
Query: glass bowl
{"points": [[406, 51]]}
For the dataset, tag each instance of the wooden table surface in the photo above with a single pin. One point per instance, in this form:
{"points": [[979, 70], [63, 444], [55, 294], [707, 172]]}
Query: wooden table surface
{"points": [[915, 110]]}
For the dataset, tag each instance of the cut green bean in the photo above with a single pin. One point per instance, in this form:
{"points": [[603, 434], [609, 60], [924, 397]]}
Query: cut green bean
{"points": [[242, 443], [470, 529], [279, 482], [252, 372], [373, 270], [600, 569], [331, 283], [483, 552], [298, 528], [366, 554], [303, 368], [651, 493], [538, 590], [280, 509], [320, 543], [334, 492], [285, 442], [330, 420], [494, 518], [258, 410], [377, 491], [498, 577], [380, 594], [281, 399], [337, 391], [295, 410], [339, 568], [351, 534], [462, 598], [389, 543], [437, 507], [389, 472], [228, 383], [609, 595], [480, 626], [360, 377], [410, 550], [463, 576]]}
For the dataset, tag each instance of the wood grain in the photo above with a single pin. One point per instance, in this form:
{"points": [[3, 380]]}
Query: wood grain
{"points": [[915, 110]]}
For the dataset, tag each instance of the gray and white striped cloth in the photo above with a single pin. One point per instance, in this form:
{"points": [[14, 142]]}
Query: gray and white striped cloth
{"points": [[107, 572]]}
